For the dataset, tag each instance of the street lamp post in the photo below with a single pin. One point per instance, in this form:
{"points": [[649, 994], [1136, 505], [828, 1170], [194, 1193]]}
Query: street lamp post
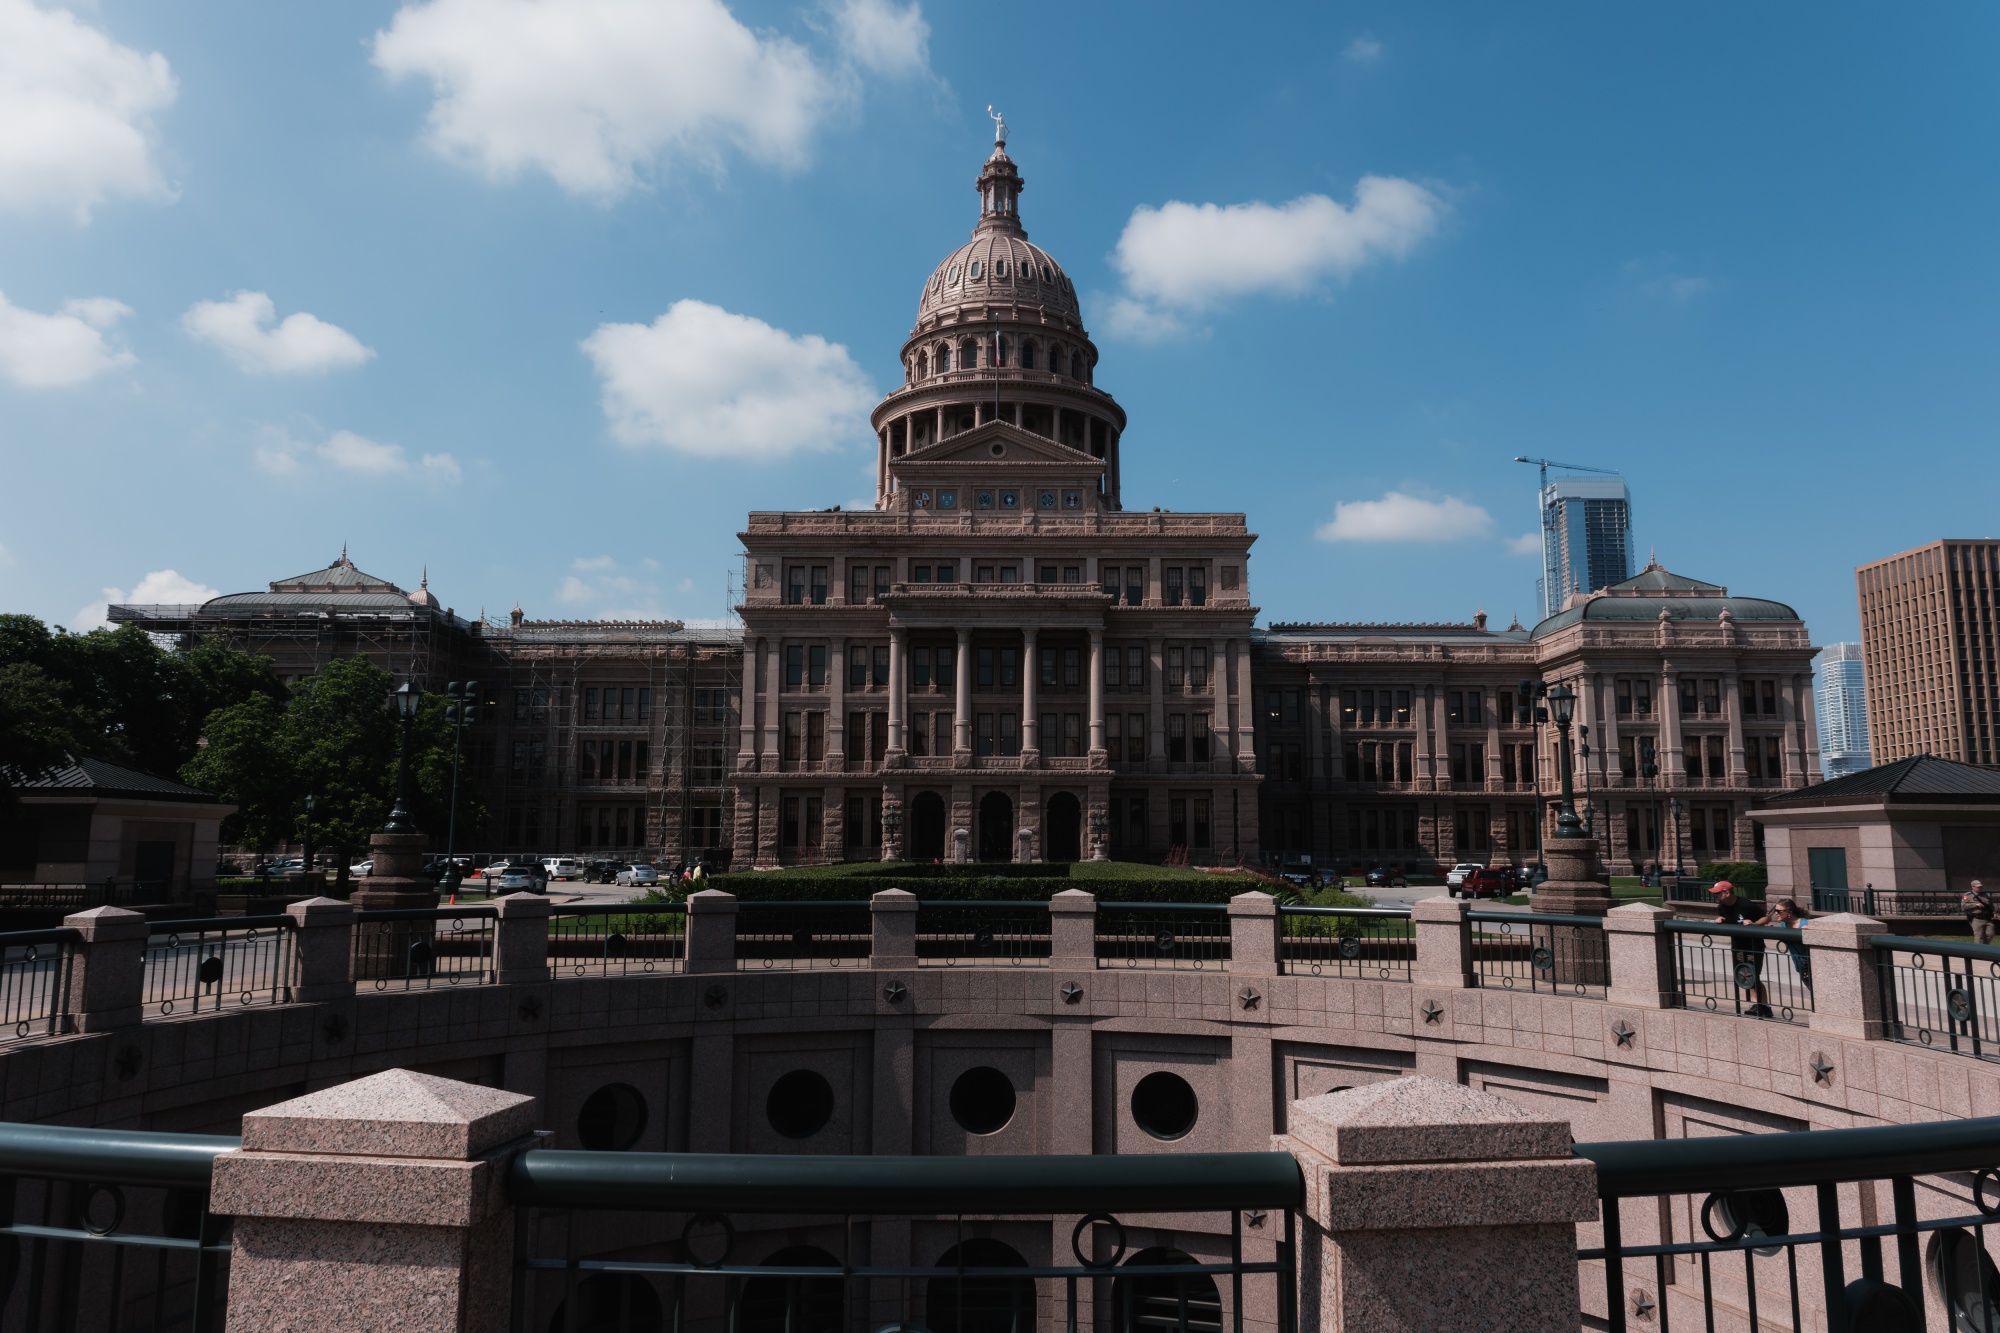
{"points": [[1562, 704], [407, 698], [1589, 796], [1676, 806], [1100, 824], [892, 827], [306, 861], [462, 710]]}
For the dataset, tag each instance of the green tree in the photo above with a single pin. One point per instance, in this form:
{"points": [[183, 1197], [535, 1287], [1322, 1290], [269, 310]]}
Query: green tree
{"points": [[37, 727]]}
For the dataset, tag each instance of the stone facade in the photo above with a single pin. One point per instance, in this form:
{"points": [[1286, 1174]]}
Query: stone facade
{"points": [[1928, 643]]}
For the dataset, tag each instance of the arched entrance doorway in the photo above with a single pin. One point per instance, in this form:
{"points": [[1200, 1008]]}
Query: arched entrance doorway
{"points": [[996, 827], [1062, 829], [792, 1304], [1186, 1301], [980, 1304], [926, 827]]}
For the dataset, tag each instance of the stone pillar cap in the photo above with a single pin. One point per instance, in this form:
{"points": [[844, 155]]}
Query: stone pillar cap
{"points": [[1424, 1120], [1072, 900], [1841, 925], [318, 907], [397, 1113], [894, 899], [523, 904], [1253, 902], [108, 923], [711, 900]]}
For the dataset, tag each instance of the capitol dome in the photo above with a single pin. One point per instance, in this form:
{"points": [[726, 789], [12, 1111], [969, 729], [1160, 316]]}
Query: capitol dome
{"points": [[998, 266]]}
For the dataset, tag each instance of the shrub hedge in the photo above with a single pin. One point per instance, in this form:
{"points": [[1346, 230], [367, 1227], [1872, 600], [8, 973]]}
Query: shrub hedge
{"points": [[989, 882], [1749, 878]]}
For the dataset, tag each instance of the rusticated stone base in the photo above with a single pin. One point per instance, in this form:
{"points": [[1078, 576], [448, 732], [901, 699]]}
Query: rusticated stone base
{"points": [[1575, 885]]}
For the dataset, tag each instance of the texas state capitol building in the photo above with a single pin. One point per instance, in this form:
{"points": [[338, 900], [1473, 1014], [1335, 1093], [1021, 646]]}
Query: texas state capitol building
{"points": [[999, 661], [1002, 661]]}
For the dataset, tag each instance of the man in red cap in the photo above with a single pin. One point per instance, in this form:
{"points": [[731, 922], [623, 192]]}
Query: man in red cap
{"points": [[1746, 955]]}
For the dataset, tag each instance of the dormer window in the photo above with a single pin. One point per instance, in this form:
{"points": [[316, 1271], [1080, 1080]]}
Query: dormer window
{"points": [[999, 268], [974, 271], [952, 277]]}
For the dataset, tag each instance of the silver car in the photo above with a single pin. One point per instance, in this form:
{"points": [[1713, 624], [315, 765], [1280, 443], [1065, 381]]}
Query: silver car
{"points": [[515, 879], [636, 876]]}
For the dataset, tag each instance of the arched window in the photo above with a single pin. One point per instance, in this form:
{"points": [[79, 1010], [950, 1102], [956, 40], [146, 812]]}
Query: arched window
{"points": [[968, 354], [1056, 358], [944, 359], [1076, 365], [1182, 1301], [792, 1304], [1027, 356], [981, 1304], [923, 365]]}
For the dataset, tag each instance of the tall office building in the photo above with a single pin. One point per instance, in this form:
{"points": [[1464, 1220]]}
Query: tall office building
{"points": [[1586, 537], [1928, 642], [1840, 695]]}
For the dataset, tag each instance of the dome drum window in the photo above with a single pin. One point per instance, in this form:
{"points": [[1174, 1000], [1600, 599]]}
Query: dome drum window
{"points": [[999, 268], [973, 272], [952, 276]]}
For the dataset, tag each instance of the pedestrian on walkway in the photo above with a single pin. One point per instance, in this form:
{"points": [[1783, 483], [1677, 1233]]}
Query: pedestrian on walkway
{"points": [[1746, 956], [1791, 916], [1977, 904]]}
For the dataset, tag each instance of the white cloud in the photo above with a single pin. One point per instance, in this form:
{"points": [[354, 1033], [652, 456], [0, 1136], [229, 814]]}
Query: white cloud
{"points": [[244, 328], [282, 455], [40, 351], [76, 114], [1123, 317], [1528, 543], [1398, 517], [602, 591], [592, 562], [163, 587], [604, 95], [1182, 258], [701, 380], [1662, 278], [1363, 50]]}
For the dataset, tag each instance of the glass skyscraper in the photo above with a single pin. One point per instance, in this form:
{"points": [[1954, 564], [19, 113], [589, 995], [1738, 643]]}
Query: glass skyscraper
{"points": [[1841, 700], [1586, 537]]}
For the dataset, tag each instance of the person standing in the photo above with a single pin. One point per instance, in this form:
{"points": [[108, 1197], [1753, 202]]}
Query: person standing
{"points": [[1977, 904], [1746, 955]]}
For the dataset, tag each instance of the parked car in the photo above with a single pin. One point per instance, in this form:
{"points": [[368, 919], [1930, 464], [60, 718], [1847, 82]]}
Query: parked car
{"points": [[1497, 882], [1381, 877], [1458, 873], [1299, 873], [563, 867], [634, 876], [366, 867], [513, 879]]}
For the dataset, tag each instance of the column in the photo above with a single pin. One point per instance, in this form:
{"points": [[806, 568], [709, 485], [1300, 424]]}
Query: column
{"points": [[374, 1205], [1492, 774], [836, 706], [1420, 1177], [1246, 733], [774, 688], [746, 750], [107, 975], [1673, 773], [898, 667], [1732, 708], [1223, 736], [961, 721], [1808, 729], [1156, 697], [1096, 696], [1031, 722], [1426, 759]]}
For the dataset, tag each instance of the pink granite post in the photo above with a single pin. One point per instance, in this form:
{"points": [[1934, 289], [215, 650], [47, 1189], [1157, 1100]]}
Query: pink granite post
{"points": [[711, 937], [893, 916], [107, 979], [1073, 931], [1846, 986], [373, 1206], [322, 949], [521, 939], [1443, 928], [1642, 956], [1430, 1205], [1253, 934]]}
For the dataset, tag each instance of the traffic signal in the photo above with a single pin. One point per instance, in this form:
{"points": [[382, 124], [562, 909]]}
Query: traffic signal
{"points": [[463, 708]]}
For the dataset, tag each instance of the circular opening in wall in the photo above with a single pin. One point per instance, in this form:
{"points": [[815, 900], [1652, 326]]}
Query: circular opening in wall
{"points": [[800, 1103], [982, 1100], [998, 449], [612, 1118], [1164, 1105]]}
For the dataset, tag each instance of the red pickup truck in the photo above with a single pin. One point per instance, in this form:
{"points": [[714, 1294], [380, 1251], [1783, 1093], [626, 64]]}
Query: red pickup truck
{"points": [[1488, 882]]}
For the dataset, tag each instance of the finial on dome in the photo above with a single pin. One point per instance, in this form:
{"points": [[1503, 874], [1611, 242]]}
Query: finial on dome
{"points": [[425, 581], [343, 554], [999, 127]]}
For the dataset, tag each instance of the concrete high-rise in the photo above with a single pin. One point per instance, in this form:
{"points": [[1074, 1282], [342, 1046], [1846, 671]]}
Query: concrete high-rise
{"points": [[1928, 641], [1840, 696], [1586, 537]]}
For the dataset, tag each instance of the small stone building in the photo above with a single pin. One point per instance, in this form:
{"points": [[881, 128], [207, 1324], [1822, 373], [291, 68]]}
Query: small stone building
{"points": [[1918, 825], [94, 821]]}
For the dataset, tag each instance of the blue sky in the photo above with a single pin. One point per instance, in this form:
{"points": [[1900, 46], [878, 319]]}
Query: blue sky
{"points": [[1332, 255]]}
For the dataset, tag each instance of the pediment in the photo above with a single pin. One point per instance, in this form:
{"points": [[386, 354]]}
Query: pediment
{"points": [[1017, 446]]}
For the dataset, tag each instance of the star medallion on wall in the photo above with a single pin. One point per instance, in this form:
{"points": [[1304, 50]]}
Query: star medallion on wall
{"points": [[1072, 993], [894, 992], [1250, 997], [715, 995], [1432, 1012], [531, 1007], [1822, 1072], [1624, 1032], [1642, 1304]]}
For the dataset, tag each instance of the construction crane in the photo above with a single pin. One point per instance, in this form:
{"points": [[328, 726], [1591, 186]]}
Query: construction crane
{"points": [[1542, 504], [1546, 463]]}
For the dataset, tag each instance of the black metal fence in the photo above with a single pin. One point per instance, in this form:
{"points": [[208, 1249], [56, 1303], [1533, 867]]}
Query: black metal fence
{"points": [[110, 1229], [1377, 943], [643, 1242], [1755, 971], [1871, 901], [1538, 951], [218, 962], [1940, 993], [803, 934], [599, 941], [421, 947], [34, 982], [1747, 1230], [1159, 935], [954, 933]]}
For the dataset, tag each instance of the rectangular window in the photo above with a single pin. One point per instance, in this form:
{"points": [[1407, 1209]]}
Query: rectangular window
{"points": [[707, 765], [1403, 762], [816, 666], [536, 752], [1073, 734], [1176, 668], [590, 704], [1072, 573], [1010, 734], [1291, 710], [1475, 762], [1770, 691], [920, 669], [789, 823], [878, 736], [1177, 820], [1135, 668], [1711, 698], [982, 574], [1197, 586], [1177, 738], [1048, 574], [942, 741], [1628, 756], [1717, 768], [1048, 733], [586, 762], [881, 586], [795, 666], [815, 737], [1624, 692], [1072, 668], [881, 667], [1107, 578], [1691, 756], [919, 737], [1455, 707], [1114, 735], [947, 571], [1135, 585], [646, 704], [1350, 709], [1690, 697], [984, 734], [624, 834], [855, 742], [1010, 670], [1114, 670], [1204, 835], [1173, 589], [920, 573], [1198, 742], [1135, 738], [857, 584], [1774, 764], [1198, 669], [794, 736], [857, 667], [795, 585], [947, 665], [985, 669], [1458, 769], [1642, 697], [1749, 691], [1049, 667], [1473, 716], [819, 585]]}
